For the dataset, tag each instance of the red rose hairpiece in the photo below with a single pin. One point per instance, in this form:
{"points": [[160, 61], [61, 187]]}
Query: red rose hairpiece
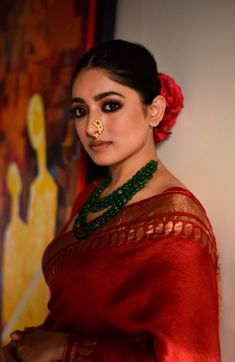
{"points": [[174, 103]]}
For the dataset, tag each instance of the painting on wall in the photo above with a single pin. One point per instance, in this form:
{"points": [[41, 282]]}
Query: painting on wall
{"points": [[41, 169]]}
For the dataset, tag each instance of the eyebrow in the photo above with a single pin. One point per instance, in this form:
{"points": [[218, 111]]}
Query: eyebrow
{"points": [[98, 97]]}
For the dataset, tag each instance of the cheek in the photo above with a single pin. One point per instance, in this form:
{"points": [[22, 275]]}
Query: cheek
{"points": [[79, 128], [124, 123], [130, 127]]}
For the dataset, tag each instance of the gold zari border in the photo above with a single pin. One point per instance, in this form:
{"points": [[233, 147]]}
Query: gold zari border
{"points": [[173, 214]]}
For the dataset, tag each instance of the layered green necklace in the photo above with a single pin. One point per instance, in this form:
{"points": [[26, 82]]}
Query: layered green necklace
{"points": [[113, 203]]}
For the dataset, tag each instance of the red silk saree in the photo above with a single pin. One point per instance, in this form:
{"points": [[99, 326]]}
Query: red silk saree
{"points": [[143, 287]]}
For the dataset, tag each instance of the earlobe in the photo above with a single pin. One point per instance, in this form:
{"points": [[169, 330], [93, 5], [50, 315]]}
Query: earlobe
{"points": [[157, 110]]}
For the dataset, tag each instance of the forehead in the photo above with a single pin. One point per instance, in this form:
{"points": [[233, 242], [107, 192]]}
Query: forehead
{"points": [[91, 82]]}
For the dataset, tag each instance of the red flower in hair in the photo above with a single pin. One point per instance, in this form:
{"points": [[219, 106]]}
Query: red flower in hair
{"points": [[174, 103]]}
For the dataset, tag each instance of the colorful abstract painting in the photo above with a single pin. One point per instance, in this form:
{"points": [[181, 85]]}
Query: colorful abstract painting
{"points": [[40, 164]]}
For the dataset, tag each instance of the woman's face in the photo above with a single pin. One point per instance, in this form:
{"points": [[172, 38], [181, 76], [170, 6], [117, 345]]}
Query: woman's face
{"points": [[125, 119]]}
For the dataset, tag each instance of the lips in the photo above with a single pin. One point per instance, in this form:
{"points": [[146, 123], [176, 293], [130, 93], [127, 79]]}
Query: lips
{"points": [[99, 145]]}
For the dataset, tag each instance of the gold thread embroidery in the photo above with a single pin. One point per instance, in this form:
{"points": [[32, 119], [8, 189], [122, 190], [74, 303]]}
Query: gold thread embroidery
{"points": [[194, 224], [150, 230], [122, 237], [203, 240], [197, 233], [159, 229], [139, 233], [169, 227], [115, 239], [178, 228], [188, 228], [131, 234]]}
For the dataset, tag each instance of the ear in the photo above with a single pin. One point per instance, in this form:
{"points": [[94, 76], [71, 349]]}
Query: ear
{"points": [[157, 110]]}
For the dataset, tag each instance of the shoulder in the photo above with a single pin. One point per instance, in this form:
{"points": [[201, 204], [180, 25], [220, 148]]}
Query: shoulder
{"points": [[175, 212], [173, 201], [179, 198], [178, 204]]}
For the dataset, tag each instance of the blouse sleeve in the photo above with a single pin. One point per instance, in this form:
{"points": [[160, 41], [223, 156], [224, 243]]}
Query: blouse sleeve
{"points": [[181, 313]]}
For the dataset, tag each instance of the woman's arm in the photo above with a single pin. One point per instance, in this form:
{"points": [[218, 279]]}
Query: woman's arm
{"points": [[7, 353], [39, 345]]}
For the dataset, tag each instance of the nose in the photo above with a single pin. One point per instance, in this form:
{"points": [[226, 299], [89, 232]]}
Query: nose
{"points": [[90, 129], [94, 128]]}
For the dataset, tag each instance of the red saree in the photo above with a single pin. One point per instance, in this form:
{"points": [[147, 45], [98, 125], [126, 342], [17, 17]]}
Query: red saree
{"points": [[141, 288]]}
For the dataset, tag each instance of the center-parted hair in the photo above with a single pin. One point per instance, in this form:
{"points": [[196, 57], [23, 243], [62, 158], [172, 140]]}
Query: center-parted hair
{"points": [[127, 63]]}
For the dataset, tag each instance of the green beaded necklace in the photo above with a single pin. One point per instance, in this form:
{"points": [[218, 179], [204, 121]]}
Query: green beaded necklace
{"points": [[113, 202]]}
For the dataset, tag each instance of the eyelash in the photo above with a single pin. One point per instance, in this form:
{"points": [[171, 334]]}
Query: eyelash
{"points": [[114, 106], [79, 112]]}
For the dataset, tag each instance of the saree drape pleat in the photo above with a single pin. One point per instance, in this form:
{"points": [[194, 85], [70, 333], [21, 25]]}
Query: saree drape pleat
{"points": [[143, 287]]}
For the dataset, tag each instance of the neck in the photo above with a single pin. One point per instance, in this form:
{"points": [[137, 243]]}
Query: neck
{"points": [[123, 171]]}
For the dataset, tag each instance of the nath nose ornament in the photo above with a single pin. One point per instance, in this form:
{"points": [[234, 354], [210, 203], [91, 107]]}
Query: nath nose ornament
{"points": [[99, 128]]}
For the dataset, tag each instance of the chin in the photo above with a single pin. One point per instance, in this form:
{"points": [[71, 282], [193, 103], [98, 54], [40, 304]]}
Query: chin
{"points": [[100, 161], [103, 160]]}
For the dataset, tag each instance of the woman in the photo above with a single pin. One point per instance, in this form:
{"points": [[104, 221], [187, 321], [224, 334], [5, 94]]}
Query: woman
{"points": [[136, 277]]}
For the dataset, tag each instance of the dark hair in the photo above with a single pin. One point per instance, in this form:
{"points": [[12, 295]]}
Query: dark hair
{"points": [[127, 63]]}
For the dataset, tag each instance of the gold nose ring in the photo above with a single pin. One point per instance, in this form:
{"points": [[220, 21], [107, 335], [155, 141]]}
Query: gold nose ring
{"points": [[99, 128]]}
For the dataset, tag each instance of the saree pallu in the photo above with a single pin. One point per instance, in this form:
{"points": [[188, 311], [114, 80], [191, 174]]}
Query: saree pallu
{"points": [[143, 287]]}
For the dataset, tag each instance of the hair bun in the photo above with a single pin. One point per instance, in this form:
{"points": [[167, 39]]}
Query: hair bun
{"points": [[171, 91]]}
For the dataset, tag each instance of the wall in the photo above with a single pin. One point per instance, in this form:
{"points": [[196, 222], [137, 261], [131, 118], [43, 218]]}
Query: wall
{"points": [[194, 42]]}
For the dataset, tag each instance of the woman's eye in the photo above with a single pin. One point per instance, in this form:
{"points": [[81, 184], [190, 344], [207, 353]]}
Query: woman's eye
{"points": [[78, 112], [111, 106]]}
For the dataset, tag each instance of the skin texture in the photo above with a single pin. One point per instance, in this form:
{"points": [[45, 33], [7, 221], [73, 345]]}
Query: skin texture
{"points": [[7, 352], [127, 122], [125, 145], [128, 130], [36, 345]]}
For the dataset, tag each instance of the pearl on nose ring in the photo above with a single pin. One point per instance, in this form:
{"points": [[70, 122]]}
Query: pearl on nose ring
{"points": [[99, 128]]}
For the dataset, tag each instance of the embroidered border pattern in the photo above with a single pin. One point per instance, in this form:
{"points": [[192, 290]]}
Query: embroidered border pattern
{"points": [[184, 226]]}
